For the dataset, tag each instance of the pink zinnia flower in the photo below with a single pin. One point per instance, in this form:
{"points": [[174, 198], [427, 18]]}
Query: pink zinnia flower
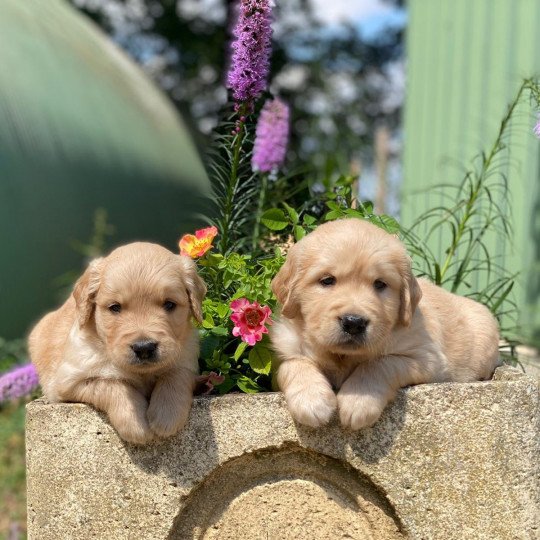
{"points": [[272, 136], [18, 382], [250, 61], [249, 320]]}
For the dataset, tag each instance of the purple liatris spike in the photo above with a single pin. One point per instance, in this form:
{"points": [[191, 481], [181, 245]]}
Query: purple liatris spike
{"points": [[271, 137], [251, 50], [18, 382]]}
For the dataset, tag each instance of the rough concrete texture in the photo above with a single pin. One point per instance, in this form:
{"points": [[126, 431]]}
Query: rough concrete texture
{"points": [[445, 461]]}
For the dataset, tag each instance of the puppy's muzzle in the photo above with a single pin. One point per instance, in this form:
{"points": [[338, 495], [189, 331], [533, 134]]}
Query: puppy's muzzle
{"points": [[354, 325], [146, 351]]}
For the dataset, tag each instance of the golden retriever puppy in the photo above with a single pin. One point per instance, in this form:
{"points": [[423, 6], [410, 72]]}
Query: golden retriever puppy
{"points": [[356, 326], [124, 342]]}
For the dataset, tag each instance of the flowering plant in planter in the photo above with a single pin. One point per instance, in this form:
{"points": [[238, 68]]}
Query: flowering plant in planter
{"points": [[251, 239]]}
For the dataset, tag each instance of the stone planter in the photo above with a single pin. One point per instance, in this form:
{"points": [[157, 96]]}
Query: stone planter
{"points": [[448, 461]]}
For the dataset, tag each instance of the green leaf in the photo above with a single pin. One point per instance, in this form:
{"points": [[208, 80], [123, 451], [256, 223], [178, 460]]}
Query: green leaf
{"points": [[222, 310], [334, 214], [247, 385], [438, 277], [219, 331], [366, 207], [502, 298], [293, 214], [275, 219], [333, 205], [352, 212], [226, 385], [260, 360], [208, 321], [240, 350], [299, 232], [209, 344], [309, 220], [211, 259], [388, 223]]}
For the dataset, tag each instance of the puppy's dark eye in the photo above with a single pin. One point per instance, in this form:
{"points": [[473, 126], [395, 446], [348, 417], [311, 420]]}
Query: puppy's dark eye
{"points": [[169, 306], [115, 308], [379, 285], [328, 281]]}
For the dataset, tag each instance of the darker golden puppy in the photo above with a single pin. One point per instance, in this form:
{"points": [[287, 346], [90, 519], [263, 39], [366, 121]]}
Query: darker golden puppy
{"points": [[356, 326], [124, 342]]}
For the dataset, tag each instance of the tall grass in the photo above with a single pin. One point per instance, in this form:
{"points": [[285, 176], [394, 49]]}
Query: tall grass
{"points": [[477, 208]]}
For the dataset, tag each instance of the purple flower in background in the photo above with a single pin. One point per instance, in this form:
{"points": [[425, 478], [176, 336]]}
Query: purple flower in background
{"points": [[251, 50], [271, 137], [18, 382], [537, 127]]}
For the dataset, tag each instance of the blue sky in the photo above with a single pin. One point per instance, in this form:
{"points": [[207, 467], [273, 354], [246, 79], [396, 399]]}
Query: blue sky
{"points": [[372, 16]]}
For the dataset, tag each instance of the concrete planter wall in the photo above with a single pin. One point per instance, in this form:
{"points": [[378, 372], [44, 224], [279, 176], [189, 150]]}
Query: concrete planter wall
{"points": [[448, 461]]}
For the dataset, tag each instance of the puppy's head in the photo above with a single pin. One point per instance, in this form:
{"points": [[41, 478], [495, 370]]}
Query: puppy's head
{"points": [[139, 301], [349, 283]]}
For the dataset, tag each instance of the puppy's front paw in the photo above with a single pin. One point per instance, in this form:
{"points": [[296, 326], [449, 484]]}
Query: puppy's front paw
{"points": [[134, 431], [357, 411], [313, 407], [166, 422], [128, 418]]}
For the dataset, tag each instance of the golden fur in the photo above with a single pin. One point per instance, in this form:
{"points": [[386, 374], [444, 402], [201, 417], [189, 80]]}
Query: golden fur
{"points": [[84, 352], [416, 332]]}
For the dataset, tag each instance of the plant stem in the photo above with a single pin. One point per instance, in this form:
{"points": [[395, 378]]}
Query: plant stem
{"points": [[231, 190], [479, 183], [260, 207]]}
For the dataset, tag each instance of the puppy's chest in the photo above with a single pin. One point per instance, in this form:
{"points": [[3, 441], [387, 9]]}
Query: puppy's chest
{"points": [[145, 385], [337, 371]]}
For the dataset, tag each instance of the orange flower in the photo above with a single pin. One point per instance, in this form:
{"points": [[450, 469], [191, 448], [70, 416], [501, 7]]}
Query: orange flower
{"points": [[197, 245]]}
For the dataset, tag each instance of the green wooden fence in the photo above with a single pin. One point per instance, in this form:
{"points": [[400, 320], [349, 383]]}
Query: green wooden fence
{"points": [[466, 61]]}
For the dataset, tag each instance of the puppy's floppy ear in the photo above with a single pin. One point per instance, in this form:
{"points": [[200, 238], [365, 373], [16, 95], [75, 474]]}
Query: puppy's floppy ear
{"points": [[85, 291], [195, 286], [284, 283], [410, 295]]}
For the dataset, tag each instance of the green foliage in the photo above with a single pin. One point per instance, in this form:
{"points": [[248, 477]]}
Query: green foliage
{"points": [[12, 465], [471, 212], [338, 202], [12, 352], [94, 247], [235, 185], [230, 277], [97, 243]]}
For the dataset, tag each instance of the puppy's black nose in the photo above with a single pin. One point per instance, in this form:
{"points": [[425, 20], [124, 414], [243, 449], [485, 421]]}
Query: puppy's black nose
{"points": [[353, 324], [145, 350]]}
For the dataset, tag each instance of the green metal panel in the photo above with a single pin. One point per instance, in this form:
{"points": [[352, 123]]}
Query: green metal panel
{"points": [[81, 128], [466, 61]]}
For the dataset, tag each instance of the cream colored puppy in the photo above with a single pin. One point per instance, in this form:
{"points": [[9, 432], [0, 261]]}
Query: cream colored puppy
{"points": [[124, 342], [356, 326]]}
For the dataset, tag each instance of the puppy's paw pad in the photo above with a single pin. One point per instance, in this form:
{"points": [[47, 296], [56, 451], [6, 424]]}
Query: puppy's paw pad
{"points": [[357, 412], [313, 409]]}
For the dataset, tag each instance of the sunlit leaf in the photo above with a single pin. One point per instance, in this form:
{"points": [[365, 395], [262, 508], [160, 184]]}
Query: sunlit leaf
{"points": [[275, 219]]}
